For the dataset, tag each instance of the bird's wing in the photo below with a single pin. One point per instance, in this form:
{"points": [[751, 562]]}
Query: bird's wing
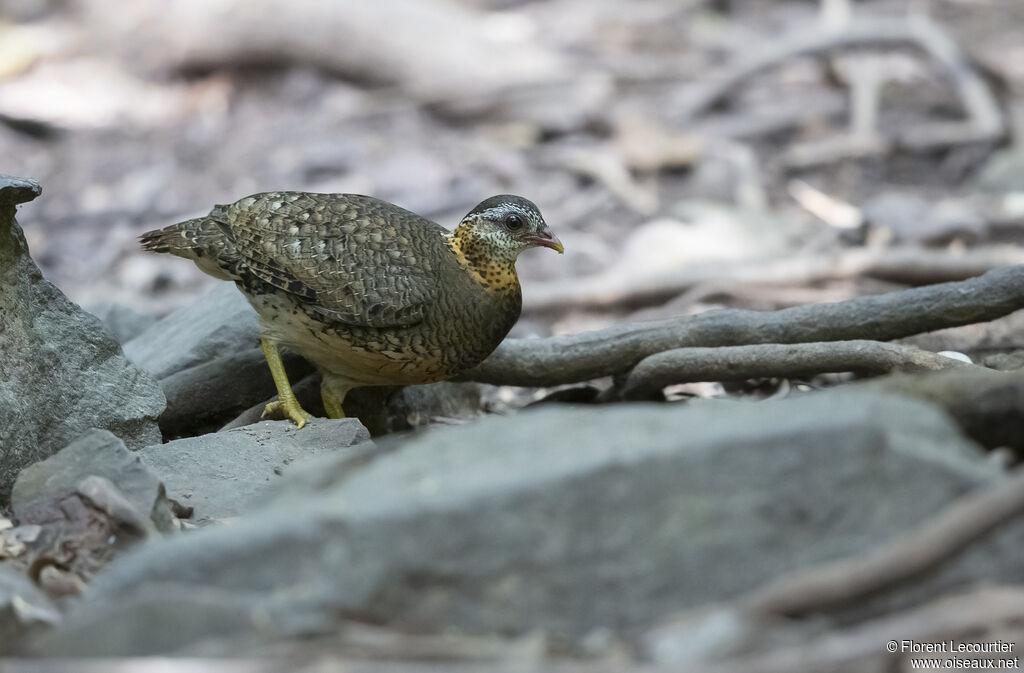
{"points": [[351, 258]]}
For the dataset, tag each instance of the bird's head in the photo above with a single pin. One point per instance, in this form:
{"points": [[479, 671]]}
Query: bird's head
{"points": [[501, 227]]}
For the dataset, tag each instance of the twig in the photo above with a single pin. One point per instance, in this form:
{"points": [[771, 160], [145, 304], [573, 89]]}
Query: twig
{"points": [[974, 616], [607, 168], [864, 78], [937, 541], [836, 213], [911, 266], [773, 117], [984, 119], [687, 365], [832, 149], [581, 357]]}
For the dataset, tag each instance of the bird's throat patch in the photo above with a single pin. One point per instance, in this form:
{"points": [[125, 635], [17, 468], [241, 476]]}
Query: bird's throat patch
{"points": [[497, 275]]}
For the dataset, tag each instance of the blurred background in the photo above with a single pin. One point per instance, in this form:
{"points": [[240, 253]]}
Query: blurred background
{"points": [[689, 154], [747, 153]]}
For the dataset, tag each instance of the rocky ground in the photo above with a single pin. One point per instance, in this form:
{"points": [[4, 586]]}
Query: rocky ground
{"points": [[764, 416]]}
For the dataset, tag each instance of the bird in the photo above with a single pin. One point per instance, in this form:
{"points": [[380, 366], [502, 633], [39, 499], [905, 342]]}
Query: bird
{"points": [[368, 292]]}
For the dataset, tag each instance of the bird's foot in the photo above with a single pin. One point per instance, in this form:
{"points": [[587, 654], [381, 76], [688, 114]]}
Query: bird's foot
{"points": [[289, 409], [332, 402], [333, 389]]}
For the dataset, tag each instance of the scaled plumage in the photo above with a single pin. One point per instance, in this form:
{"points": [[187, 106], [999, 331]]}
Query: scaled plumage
{"points": [[371, 293]]}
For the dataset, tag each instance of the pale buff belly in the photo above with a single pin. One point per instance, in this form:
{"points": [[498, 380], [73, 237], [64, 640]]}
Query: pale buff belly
{"points": [[357, 356]]}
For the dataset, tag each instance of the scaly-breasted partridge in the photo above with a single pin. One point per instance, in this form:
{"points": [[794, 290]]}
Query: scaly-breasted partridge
{"points": [[370, 293]]}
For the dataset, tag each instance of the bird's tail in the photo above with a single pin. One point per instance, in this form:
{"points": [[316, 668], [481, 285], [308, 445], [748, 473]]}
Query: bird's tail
{"points": [[207, 241], [179, 239]]}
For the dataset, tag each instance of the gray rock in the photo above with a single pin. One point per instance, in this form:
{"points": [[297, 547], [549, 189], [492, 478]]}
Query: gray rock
{"points": [[83, 506], [307, 392], [388, 409], [102, 495], [219, 323], [74, 533], [123, 322], [573, 519], [24, 609], [98, 453], [171, 616], [915, 219], [60, 371], [223, 474]]}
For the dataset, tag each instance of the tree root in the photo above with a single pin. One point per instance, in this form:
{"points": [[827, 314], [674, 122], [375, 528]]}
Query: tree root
{"points": [[688, 365], [937, 541], [582, 357], [984, 613]]}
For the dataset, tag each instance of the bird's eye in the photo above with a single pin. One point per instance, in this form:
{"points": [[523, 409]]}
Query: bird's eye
{"points": [[514, 221]]}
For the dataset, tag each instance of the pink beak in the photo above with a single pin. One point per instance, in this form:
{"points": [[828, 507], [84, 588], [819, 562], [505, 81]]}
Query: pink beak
{"points": [[544, 238]]}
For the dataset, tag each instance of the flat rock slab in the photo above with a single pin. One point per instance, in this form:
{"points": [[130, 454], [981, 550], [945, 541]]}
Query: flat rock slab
{"points": [[61, 372], [96, 453], [223, 474], [566, 520], [218, 323]]}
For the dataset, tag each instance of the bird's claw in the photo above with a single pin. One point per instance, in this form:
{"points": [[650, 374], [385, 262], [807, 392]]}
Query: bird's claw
{"points": [[290, 410]]}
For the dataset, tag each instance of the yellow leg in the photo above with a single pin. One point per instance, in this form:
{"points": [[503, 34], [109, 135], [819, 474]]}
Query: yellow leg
{"points": [[286, 403], [332, 403]]}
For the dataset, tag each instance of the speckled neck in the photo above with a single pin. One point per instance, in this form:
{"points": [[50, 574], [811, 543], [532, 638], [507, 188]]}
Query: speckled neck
{"points": [[497, 275]]}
